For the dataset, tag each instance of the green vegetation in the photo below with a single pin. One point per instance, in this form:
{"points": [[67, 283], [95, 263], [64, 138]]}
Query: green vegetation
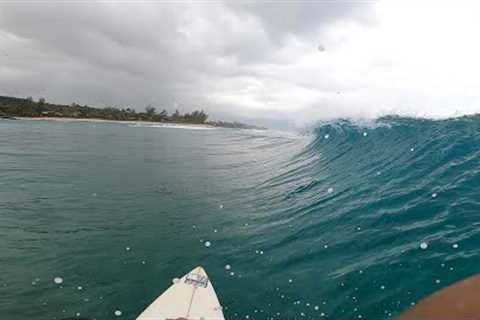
{"points": [[19, 107]]}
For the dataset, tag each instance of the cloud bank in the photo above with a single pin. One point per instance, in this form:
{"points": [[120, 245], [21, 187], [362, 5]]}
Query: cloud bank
{"points": [[249, 61]]}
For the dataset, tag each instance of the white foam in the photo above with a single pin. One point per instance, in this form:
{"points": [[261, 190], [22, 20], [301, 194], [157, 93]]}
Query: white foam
{"points": [[172, 126]]}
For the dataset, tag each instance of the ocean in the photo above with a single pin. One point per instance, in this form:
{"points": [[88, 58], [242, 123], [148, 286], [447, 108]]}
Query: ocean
{"points": [[348, 221]]}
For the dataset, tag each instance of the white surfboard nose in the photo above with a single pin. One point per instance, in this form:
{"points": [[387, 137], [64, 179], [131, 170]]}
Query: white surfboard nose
{"points": [[197, 278], [191, 297], [199, 270]]}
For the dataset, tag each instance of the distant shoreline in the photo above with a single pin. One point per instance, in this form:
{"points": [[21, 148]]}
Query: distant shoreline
{"points": [[95, 120], [26, 108]]}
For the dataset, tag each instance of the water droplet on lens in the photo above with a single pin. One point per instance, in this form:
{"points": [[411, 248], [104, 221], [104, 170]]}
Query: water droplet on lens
{"points": [[58, 280]]}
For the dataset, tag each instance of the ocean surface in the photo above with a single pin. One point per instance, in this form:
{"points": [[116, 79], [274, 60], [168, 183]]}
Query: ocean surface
{"points": [[98, 218]]}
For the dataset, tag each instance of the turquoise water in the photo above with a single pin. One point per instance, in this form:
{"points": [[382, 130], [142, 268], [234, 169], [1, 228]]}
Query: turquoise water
{"points": [[326, 225]]}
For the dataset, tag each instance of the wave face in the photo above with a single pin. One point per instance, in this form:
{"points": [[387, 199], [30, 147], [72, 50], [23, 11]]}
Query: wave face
{"points": [[350, 211], [327, 225]]}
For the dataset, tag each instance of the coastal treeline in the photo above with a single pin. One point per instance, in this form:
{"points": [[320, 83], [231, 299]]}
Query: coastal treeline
{"points": [[11, 107]]}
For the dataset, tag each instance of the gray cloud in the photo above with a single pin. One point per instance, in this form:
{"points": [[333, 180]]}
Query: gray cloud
{"points": [[308, 17], [170, 54]]}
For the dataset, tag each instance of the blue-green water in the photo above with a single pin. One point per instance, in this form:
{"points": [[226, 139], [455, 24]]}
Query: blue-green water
{"points": [[326, 225]]}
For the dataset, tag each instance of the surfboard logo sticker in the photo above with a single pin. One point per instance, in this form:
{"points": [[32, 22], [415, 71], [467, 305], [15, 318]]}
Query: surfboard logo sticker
{"points": [[197, 280]]}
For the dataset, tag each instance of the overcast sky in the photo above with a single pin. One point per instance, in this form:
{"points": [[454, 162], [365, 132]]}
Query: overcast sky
{"points": [[249, 61]]}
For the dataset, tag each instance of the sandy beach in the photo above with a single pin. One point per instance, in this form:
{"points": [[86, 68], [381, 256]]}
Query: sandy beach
{"points": [[139, 123]]}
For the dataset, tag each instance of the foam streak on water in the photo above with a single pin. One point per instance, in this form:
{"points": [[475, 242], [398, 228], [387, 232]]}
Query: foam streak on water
{"points": [[350, 222]]}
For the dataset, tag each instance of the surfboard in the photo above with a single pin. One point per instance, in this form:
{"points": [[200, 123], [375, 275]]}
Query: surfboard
{"points": [[191, 297]]}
